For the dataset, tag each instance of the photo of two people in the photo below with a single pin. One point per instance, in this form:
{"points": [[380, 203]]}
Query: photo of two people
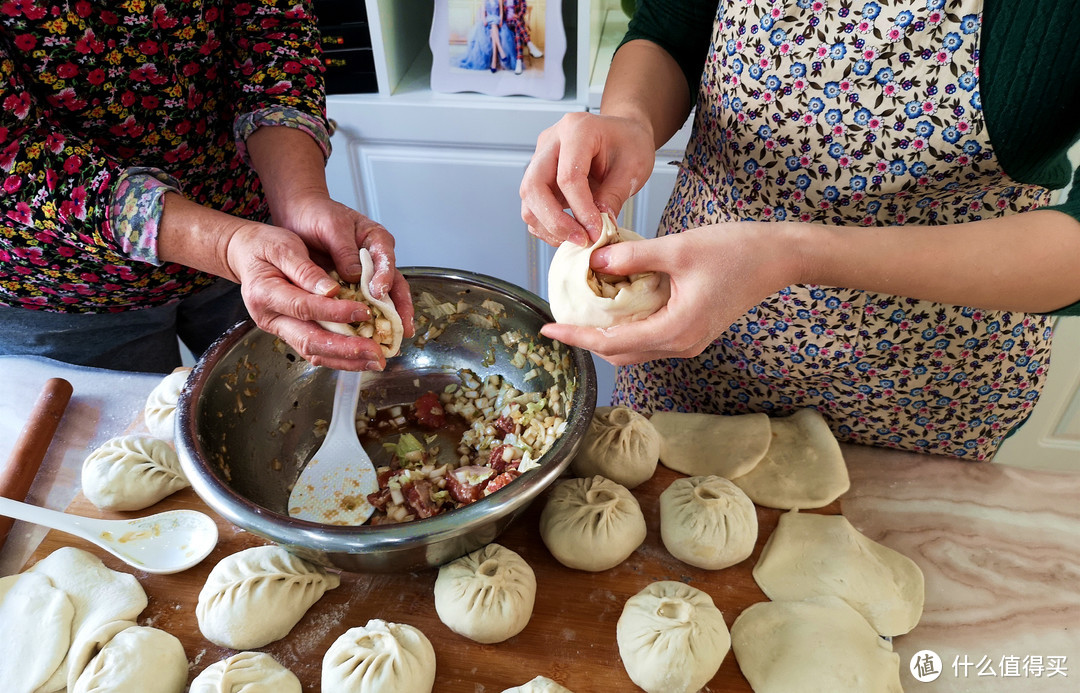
{"points": [[500, 38], [498, 47]]}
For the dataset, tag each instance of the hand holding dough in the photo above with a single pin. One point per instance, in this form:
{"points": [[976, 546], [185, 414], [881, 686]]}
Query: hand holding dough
{"points": [[579, 296], [812, 555], [384, 326]]}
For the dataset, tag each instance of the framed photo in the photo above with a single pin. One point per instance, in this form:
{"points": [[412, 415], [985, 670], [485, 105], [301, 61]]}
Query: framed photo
{"points": [[499, 47]]}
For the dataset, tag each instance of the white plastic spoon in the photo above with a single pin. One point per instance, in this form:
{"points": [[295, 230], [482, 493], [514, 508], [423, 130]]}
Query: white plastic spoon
{"points": [[164, 543], [333, 487]]}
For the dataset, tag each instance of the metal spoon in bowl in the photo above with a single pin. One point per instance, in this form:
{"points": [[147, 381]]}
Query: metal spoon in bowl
{"points": [[164, 543], [333, 487]]}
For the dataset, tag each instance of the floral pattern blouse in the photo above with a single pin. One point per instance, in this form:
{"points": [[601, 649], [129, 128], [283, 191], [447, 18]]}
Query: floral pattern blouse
{"points": [[104, 107]]}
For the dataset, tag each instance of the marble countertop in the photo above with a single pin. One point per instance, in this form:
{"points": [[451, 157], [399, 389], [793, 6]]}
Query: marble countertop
{"points": [[999, 546]]}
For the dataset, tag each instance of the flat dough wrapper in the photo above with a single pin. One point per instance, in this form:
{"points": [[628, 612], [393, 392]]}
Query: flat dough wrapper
{"points": [[819, 645], [815, 555], [803, 467], [106, 602], [712, 444], [574, 302], [30, 604]]}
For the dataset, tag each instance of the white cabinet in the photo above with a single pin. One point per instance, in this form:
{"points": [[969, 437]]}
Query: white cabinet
{"points": [[442, 171]]}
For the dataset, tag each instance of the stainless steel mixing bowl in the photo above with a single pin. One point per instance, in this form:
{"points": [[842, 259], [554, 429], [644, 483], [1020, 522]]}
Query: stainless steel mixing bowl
{"points": [[247, 420]]}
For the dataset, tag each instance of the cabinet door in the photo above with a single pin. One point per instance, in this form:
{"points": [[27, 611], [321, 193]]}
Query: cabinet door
{"points": [[452, 207]]}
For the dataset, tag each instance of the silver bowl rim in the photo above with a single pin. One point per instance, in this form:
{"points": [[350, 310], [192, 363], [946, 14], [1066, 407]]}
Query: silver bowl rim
{"points": [[367, 539]]}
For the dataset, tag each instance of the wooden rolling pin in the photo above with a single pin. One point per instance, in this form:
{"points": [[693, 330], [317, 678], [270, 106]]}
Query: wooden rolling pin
{"points": [[18, 474]]}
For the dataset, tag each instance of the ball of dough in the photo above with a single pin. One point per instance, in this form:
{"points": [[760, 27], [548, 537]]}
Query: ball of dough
{"points": [[254, 597], [160, 409], [246, 672], [708, 522], [136, 660], [672, 638], [131, 473], [621, 445], [487, 595], [541, 684], [818, 645], [591, 524], [380, 657], [580, 296]]}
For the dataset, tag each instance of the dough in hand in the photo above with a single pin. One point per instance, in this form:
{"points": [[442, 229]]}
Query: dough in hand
{"points": [[136, 660], [818, 645], [246, 672], [579, 296], [131, 473], [159, 412], [384, 326], [712, 444], [803, 468], [812, 555], [541, 684], [707, 522], [620, 445], [254, 597], [105, 602], [379, 657], [487, 595], [672, 638], [591, 524], [30, 604]]}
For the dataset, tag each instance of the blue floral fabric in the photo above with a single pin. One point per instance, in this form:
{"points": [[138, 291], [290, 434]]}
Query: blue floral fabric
{"points": [[856, 114]]}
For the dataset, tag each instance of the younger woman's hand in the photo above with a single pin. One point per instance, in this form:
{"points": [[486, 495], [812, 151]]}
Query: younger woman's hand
{"points": [[588, 163], [717, 273]]}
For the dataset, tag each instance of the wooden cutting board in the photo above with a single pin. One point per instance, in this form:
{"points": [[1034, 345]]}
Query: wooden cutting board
{"points": [[571, 637]]}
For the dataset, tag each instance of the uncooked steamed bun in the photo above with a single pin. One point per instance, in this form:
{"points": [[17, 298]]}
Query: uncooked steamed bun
{"points": [[708, 522], [379, 657], [131, 473], [541, 684], [672, 638], [487, 595], [246, 672], [580, 296], [620, 445], [591, 524], [254, 597]]}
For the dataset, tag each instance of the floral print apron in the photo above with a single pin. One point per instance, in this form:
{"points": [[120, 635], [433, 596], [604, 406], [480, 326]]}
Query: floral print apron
{"points": [[852, 113]]}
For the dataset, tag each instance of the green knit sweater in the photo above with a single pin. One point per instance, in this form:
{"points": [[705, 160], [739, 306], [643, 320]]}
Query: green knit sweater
{"points": [[1030, 80]]}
